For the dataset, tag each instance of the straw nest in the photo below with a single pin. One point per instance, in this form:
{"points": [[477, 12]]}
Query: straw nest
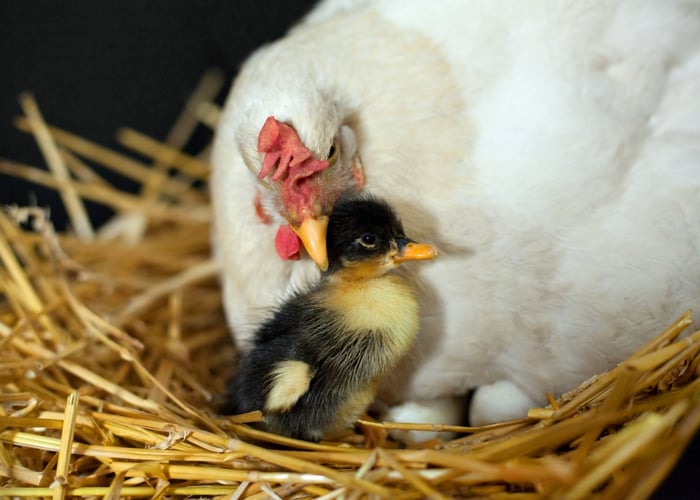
{"points": [[113, 347]]}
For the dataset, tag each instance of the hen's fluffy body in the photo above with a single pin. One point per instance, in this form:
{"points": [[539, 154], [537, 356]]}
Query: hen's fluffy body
{"points": [[551, 150]]}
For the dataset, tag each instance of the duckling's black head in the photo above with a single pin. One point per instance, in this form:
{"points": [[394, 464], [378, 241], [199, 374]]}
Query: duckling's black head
{"points": [[365, 235]]}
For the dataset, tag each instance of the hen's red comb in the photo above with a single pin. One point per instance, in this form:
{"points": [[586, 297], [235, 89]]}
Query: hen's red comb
{"points": [[284, 149]]}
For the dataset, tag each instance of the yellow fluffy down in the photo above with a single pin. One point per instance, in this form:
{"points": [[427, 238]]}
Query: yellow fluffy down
{"points": [[290, 381]]}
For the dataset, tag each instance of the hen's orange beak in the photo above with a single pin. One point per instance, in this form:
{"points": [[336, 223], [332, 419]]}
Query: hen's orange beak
{"points": [[312, 233], [415, 251]]}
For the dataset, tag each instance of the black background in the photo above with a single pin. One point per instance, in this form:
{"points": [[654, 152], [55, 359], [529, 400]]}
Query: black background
{"points": [[97, 66]]}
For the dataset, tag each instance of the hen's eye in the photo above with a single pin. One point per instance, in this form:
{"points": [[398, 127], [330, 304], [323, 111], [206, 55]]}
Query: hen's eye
{"points": [[368, 240], [333, 152]]}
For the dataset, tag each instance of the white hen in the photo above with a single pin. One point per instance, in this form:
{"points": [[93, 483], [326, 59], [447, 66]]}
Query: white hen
{"points": [[550, 149]]}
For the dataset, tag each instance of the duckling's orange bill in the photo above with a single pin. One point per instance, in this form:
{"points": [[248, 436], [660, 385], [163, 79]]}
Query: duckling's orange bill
{"points": [[415, 251], [312, 233]]}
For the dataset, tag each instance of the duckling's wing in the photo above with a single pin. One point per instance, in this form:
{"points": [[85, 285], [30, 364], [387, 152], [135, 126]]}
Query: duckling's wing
{"points": [[290, 381]]}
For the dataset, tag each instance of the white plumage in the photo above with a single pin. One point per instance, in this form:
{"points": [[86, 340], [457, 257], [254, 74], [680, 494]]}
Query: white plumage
{"points": [[550, 149]]}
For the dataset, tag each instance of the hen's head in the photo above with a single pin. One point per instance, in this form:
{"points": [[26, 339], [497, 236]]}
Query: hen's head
{"points": [[303, 181]]}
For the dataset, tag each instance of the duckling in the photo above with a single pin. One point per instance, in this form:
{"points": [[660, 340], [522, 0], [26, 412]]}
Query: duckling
{"points": [[315, 363]]}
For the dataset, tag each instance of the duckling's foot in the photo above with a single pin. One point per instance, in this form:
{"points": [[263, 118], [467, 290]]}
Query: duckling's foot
{"points": [[446, 411], [375, 437], [497, 402]]}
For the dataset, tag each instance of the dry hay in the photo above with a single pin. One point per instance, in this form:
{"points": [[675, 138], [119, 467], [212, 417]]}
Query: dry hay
{"points": [[113, 347]]}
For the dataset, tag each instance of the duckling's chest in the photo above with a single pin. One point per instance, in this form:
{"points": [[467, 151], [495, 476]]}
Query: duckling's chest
{"points": [[385, 306]]}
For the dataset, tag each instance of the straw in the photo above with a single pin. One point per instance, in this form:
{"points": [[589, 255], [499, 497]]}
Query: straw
{"points": [[113, 355], [73, 203]]}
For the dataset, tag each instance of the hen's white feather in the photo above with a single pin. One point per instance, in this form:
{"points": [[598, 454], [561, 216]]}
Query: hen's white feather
{"points": [[550, 149]]}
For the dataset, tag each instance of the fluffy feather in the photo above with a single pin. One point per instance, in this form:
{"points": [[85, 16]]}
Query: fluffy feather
{"points": [[314, 364], [552, 149]]}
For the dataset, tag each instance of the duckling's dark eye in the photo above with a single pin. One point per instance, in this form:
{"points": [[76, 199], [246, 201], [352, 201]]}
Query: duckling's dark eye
{"points": [[333, 152], [368, 240]]}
